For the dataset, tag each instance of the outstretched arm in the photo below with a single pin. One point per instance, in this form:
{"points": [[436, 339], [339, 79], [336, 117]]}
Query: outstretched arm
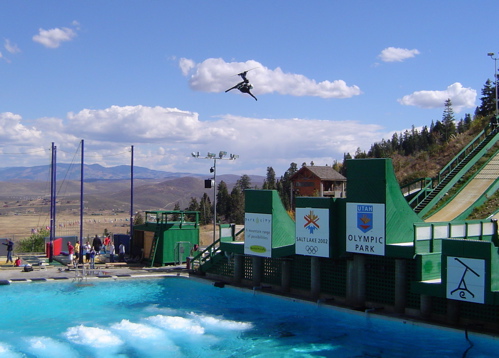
{"points": [[251, 94], [236, 86]]}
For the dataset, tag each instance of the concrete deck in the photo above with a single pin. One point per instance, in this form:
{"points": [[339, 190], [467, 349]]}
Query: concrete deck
{"points": [[49, 272]]}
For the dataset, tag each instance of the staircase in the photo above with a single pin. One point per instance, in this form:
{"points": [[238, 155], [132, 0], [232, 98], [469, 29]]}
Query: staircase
{"points": [[206, 258], [454, 171], [211, 255]]}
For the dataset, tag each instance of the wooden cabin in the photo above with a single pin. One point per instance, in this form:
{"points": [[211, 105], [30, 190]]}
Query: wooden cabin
{"points": [[318, 181]]}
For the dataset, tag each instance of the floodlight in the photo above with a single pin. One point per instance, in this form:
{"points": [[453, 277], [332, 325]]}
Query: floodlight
{"points": [[210, 155], [195, 154], [490, 54], [234, 156], [222, 154]]}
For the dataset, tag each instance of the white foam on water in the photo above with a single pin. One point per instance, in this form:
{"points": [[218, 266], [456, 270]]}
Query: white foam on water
{"points": [[146, 340], [220, 324], [176, 324], [46, 347], [138, 330], [101, 341]]}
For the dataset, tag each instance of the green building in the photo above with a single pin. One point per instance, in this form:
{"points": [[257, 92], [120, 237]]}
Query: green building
{"points": [[373, 250], [166, 237]]}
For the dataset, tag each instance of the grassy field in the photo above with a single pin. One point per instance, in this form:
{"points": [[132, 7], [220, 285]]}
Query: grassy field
{"points": [[19, 227]]}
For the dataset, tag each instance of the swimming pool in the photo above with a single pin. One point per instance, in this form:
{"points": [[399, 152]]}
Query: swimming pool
{"points": [[180, 317]]}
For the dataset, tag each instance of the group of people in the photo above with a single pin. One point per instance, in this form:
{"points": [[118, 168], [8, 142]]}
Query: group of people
{"points": [[98, 247], [10, 249], [87, 251]]}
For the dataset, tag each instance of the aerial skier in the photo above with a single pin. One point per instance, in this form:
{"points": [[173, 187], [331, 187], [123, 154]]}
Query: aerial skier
{"points": [[244, 86]]}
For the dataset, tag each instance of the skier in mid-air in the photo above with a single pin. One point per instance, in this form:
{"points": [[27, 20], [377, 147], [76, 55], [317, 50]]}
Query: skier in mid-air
{"points": [[244, 86]]}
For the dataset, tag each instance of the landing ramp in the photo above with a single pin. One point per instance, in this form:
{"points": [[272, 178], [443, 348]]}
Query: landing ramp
{"points": [[470, 193]]}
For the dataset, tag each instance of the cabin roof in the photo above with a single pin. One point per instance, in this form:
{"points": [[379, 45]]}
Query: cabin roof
{"points": [[322, 172]]}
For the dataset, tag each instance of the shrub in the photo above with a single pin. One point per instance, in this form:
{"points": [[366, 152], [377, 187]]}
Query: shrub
{"points": [[34, 243]]}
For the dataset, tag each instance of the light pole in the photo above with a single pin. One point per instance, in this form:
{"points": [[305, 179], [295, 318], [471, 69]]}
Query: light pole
{"points": [[491, 54], [214, 157]]}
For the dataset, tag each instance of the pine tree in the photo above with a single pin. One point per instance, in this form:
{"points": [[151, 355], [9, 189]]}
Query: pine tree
{"points": [[175, 217], [449, 126], [488, 105], [236, 206], [193, 206], [270, 183], [467, 121], [223, 201], [138, 219], [284, 186], [205, 210], [244, 182]]}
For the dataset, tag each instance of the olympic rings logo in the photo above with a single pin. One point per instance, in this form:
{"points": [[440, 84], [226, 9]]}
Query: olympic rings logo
{"points": [[311, 249]]}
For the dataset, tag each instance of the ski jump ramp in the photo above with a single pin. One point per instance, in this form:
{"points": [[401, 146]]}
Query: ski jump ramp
{"points": [[468, 196]]}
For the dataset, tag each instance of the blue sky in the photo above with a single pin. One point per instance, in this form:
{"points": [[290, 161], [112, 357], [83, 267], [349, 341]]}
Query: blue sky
{"points": [[330, 77]]}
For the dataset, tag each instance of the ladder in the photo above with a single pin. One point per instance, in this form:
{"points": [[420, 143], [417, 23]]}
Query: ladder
{"points": [[154, 245]]}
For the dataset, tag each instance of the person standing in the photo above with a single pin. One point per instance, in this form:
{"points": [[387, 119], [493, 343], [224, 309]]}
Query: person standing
{"points": [[111, 251], [107, 240], [10, 249], [77, 251], [86, 251], [121, 253], [97, 244], [71, 251], [92, 258]]}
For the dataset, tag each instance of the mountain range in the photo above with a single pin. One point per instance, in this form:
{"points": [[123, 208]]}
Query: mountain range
{"points": [[91, 172], [27, 189]]}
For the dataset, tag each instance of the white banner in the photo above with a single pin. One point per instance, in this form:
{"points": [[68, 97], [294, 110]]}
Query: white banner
{"points": [[258, 234], [312, 232], [365, 228], [466, 279]]}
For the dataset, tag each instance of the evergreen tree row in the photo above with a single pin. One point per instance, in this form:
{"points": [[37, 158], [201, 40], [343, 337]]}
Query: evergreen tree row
{"points": [[431, 139]]}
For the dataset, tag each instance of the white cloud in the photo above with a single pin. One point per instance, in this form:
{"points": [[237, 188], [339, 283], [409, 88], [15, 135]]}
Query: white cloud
{"points": [[186, 65], [54, 37], [396, 54], [461, 98], [138, 123], [216, 75], [13, 132], [163, 139], [10, 47]]}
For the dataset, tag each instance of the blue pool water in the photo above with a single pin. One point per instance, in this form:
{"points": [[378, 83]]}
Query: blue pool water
{"points": [[179, 317]]}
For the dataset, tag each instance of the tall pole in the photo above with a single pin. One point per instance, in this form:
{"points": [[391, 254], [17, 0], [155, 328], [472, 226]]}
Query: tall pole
{"points": [[214, 199], [495, 80], [221, 156], [52, 201], [491, 54], [131, 194], [82, 206]]}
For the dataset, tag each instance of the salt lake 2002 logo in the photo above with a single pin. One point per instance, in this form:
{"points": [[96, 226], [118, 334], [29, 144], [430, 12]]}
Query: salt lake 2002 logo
{"points": [[365, 217], [311, 222]]}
